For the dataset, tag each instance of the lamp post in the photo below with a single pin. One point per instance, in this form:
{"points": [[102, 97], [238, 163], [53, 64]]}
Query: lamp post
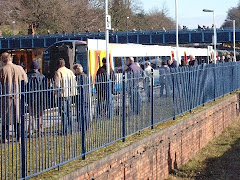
{"points": [[234, 39], [215, 34], [176, 14], [127, 29]]}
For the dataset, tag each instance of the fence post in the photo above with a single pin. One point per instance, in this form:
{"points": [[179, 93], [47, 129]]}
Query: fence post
{"points": [[232, 80], [203, 84], [152, 110], [223, 79], [173, 93], [83, 143], [214, 82], [23, 130], [123, 107]]}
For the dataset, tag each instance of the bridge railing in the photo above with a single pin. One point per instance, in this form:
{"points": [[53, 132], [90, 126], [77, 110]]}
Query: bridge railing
{"points": [[137, 37], [45, 124]]}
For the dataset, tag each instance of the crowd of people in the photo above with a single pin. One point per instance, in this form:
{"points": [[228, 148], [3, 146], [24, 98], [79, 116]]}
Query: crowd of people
{"points": [[70, 88], [70, 84]]}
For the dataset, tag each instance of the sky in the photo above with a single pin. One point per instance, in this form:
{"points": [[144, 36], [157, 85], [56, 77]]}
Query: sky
{"points": [[190, 12]]}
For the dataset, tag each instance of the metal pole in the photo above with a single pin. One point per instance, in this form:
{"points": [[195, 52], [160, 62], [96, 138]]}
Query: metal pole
{"points": [[176, 14], [23, 150], [109, 108], [234, 41], [107, 38], [123, 108], [127, 29], [215, 38]]}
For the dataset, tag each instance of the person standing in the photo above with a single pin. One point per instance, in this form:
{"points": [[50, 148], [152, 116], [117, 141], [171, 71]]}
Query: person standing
{"points": [[192, 61], [36, 83], [169, 63], [102, 87], [164, 79], [228, 59], [223, 59], [134, 74], [65, 81], [174, 64], [11, 76], [148, 73], [82, 98]]}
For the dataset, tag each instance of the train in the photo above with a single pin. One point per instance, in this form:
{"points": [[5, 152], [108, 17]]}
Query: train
{"points": [[90, 53]]}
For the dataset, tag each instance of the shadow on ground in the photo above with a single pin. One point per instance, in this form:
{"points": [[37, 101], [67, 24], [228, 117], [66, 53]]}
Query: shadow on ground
{"points": [[224, 167]]}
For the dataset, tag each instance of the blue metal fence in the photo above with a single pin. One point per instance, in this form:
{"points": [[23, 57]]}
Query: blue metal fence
{"points": [[44, 126]]}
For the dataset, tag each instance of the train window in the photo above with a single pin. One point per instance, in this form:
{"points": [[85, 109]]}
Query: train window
{"points": [[81, 58], [117, 64], [164, 58], [81, 49], [136, 59], [117, 61], [68, 44], [124, 60], [168, 58]]}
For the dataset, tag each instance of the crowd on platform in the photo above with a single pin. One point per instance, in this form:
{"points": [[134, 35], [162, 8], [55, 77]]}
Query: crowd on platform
{"points": [[12, 75]]}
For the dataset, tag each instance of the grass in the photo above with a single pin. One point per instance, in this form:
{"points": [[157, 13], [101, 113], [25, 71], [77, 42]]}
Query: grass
{"points": [[103, 152], [218, 160]]}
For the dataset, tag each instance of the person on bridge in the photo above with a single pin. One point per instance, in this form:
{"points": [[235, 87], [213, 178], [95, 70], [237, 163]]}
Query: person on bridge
{"points": [[36, 84], [11, 76], [65, 81]]}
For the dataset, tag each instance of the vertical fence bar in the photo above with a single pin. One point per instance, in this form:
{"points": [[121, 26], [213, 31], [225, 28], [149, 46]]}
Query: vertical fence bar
{"points": [[173, 94], [214, 81], [83, 142], [123, 107], [23, 130], [152, 110], [232, 79]]}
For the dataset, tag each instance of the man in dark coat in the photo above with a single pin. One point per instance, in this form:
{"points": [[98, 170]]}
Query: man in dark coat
{"points": [[36, 85], [228, 59], [103, 86], [192, 61], [174, 64], [165, 79]]}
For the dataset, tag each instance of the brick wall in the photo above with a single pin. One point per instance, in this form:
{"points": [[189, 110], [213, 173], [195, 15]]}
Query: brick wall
{"points": [[156, 155]]}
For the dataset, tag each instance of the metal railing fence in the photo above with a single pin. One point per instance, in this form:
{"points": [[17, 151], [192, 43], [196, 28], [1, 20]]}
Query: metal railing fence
{"points": [[44, 126]]}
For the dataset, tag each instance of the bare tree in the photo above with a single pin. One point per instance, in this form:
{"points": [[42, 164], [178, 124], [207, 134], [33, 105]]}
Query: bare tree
{"points": [[233, 14], [80, 15], [158, 20]]}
